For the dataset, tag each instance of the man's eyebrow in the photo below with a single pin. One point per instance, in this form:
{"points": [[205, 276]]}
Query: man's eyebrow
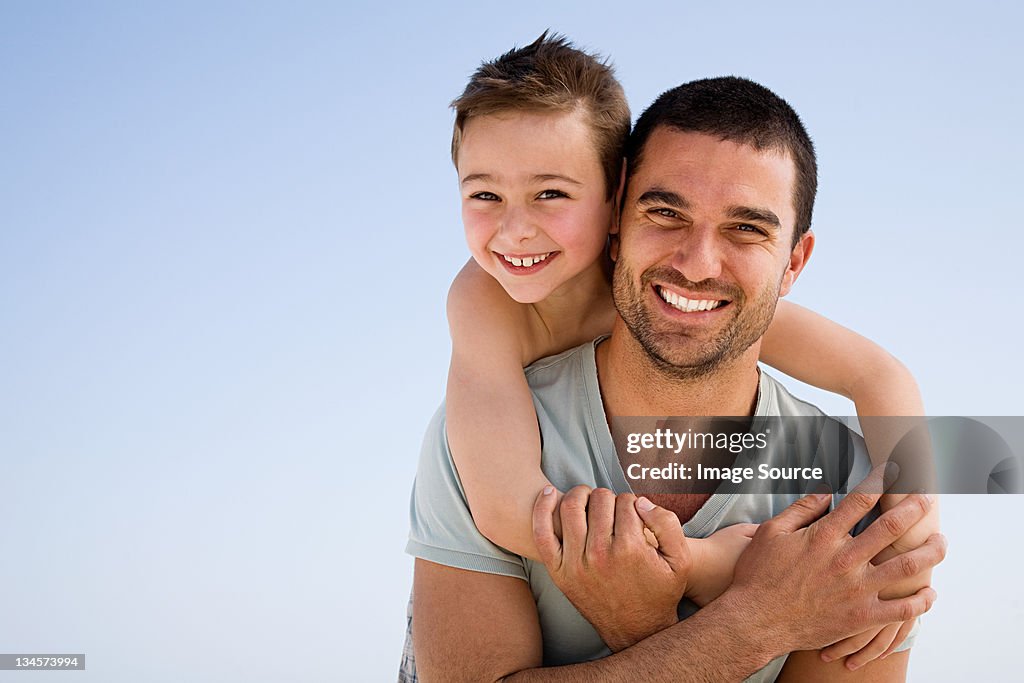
{"points": [[755, 215], [658, 195]]}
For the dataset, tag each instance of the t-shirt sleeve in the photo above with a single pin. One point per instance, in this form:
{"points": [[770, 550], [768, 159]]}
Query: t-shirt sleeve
{"points": [[441, 525]]}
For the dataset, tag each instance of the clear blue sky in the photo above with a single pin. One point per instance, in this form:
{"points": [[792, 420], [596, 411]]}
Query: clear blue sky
{"points": [[226, 235]]}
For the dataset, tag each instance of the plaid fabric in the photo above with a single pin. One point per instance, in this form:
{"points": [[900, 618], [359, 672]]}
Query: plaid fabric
{"points": [[407, 669]]}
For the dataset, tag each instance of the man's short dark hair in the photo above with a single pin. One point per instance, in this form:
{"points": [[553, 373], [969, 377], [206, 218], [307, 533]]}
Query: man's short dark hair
{"points": [[741, 111]]}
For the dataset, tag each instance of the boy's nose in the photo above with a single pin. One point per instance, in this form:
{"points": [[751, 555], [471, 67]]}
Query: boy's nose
{"points": [[517, 226]]}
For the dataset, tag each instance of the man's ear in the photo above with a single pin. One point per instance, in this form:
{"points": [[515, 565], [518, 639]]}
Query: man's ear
{"points": [[613, 232], [797, 260]]}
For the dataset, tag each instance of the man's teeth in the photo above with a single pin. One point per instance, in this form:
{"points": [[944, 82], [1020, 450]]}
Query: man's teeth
{"points": [[526, 262], [688, 305]]}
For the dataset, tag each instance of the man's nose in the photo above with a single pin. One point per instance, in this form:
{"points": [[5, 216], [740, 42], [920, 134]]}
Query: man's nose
{"points": [[698, 255], [517, 225]]}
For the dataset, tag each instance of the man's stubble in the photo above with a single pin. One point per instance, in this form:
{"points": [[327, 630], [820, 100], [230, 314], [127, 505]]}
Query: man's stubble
{"points": [[749, 321]]}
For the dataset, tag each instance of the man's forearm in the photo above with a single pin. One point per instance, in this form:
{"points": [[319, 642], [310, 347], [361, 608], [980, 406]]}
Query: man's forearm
{"points": [[721, 642]]}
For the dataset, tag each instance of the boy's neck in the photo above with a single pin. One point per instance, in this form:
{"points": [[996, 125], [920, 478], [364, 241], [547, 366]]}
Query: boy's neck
{"points": [[580, 310]]}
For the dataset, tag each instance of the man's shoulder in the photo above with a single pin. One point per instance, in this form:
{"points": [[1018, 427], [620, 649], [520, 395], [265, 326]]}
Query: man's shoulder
{"points": [[780, 402], [541, 373], [565, 383]]}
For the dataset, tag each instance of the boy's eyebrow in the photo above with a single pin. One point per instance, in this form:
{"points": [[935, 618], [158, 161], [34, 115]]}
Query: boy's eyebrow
{"points": [[755, 215], [658, 195], [476, 176], [539, 178]]}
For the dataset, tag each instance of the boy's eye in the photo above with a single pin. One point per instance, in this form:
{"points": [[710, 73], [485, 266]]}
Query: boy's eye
{"points": [[485, 196], [551, 194]]}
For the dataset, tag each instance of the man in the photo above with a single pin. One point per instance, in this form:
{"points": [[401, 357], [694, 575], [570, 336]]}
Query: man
{"points": [[716, 207]]}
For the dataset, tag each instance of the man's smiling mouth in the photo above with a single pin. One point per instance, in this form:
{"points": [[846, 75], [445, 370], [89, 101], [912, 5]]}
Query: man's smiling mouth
{"points": [[685, 305]]}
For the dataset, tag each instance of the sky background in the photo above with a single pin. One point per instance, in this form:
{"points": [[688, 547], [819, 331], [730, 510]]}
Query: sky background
{"points": [[226, 235]]}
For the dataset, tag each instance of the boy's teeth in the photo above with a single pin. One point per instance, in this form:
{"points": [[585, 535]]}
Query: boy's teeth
{"points": [[526, 262], [688, 305]]}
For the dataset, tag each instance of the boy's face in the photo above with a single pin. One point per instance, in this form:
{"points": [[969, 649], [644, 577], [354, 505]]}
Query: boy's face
{"points": [[534, 204]]}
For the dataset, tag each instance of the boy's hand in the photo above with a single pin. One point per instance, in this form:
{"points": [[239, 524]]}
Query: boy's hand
{"points": [[625, 587], [714, 559]]}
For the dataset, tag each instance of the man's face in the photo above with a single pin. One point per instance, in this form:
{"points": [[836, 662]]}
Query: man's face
{"points": [[705, 248]]}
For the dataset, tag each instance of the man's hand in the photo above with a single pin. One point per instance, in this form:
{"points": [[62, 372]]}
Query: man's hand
{"points": [[624, 586], [816, 585], [874, 643]]}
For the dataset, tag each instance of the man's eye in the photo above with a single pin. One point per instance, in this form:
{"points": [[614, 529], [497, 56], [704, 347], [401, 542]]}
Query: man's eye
{"points": [[551, 194], [752, 229], [667, 213], [485, 196]]}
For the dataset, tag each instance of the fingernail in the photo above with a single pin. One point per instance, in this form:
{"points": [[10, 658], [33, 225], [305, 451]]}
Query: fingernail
{"points": [[825, 657], [548, 490], [892, 470], [822, 497], [644, 504], [852, 667]]}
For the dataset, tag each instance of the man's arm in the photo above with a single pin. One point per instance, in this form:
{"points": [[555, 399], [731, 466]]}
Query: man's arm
{"points": [[478, 627]]}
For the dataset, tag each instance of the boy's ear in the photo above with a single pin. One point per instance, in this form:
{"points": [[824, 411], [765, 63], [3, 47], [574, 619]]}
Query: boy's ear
{"points": [[613, 231], [617, 206]]}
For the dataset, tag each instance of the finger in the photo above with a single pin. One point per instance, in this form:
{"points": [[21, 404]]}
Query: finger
{"points": [[858, 503], [665, 525], [573, 512], [548, 546], [848, 646], [600, 518], [891, 526], [906, 609], [745, 529], [874, 649], [627, 521], [798, 515], [910, 563], [904, 631]]}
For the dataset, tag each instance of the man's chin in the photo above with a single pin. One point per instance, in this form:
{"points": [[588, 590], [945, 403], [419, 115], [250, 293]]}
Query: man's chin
{"points": [[683, 363]]}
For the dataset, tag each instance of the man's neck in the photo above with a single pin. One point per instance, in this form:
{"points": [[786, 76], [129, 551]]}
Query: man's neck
{"points": [[634, 384]]}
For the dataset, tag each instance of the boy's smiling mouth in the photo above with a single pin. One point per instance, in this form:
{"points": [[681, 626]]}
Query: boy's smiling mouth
{"points": [[524, 264]]}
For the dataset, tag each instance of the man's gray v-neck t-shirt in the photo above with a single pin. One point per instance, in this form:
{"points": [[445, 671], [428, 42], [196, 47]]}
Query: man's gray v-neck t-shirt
{"points": [[578, 449]]}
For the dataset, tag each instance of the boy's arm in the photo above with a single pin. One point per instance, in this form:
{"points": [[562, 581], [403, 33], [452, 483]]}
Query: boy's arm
{"points": [[818, 351], [823, 353], [491, 422]]}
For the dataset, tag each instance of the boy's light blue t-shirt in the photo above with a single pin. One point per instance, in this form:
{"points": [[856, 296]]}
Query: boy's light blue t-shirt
{"points": [[578, 449]]}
